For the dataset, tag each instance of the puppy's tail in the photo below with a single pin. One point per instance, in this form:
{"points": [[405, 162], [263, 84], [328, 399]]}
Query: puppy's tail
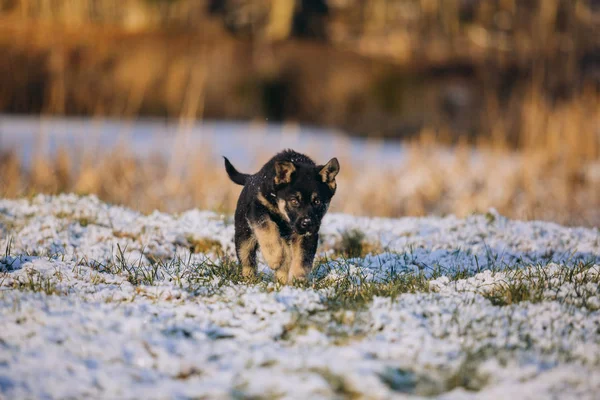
{"points": [[234, 174]]}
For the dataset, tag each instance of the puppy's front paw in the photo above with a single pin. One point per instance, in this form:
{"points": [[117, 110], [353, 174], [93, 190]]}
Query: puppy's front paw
{"points": [[282, 275], [298, 275], [248, 272]]}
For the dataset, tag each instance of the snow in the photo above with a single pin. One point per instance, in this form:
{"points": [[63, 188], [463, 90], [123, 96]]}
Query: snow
{"points": [[180, 332], [241, 141]]}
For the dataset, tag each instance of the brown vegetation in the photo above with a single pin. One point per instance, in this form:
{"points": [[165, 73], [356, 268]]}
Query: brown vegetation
{"points": [[555, 176], [500, 75], [377, 68]]}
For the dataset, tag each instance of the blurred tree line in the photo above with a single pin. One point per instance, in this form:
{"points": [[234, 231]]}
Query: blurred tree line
{"points": [[373, 67]]}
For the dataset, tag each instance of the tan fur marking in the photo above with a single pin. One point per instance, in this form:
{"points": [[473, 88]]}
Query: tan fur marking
{"points": [[282, 276], [283, 172], [298, 271], [275, 250], [262, 200], [246, 248], [275, 210], [281, 208], [329, 172]]}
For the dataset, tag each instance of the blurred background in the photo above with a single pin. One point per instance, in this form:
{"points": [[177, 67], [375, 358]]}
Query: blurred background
{"points": [[433, 106]]}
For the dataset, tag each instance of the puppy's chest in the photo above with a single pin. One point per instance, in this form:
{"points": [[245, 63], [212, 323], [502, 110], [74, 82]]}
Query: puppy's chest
{"points": [[285, 231]]}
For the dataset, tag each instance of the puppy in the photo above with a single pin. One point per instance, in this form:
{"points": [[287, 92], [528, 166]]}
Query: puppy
{"points": [[280, 210]]}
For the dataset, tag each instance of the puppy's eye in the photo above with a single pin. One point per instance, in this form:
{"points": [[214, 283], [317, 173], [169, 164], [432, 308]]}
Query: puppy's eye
{"points": [[294, 202], [317, 202]]}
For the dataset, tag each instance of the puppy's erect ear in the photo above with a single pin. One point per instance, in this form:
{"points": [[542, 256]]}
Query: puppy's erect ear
{"points": [[329, 172], [283, 172]]}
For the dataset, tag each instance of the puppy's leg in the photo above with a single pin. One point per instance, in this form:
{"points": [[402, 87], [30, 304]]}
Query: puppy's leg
{"points": [[274, 248], [247, 256], [245, 248], [303, 255]]}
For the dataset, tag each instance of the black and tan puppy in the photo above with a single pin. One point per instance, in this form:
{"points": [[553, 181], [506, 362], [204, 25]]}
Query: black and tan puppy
{"points": [[280, 211]]}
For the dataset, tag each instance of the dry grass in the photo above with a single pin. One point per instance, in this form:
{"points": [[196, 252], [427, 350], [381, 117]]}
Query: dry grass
{"points": [[120, 65], [555, 175], [354, 243]]}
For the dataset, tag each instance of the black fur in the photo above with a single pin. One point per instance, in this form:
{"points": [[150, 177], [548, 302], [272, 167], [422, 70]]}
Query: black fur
{"points": [[234, 175], [291, 192]]}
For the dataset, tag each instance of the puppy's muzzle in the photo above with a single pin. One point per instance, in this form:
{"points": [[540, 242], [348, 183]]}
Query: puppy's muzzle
{"points": [[306, 226], [305, 223]]}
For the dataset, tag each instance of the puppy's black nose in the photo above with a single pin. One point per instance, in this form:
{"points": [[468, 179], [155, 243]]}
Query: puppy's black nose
{"points": [[305, 223]]}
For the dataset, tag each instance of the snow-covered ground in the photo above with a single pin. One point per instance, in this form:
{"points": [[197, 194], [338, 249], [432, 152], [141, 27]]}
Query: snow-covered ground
{"points": [[238, 140], [100, 301]]}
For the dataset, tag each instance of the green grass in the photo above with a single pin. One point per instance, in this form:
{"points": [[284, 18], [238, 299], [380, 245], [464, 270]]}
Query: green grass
{"points": [[353, 291], [34, 281], [573, 285], [8, 247], [350, 291]]}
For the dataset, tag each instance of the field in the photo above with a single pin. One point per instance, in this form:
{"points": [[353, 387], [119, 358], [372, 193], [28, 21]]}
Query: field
{"points": [[97, 300], [460, 258]]}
